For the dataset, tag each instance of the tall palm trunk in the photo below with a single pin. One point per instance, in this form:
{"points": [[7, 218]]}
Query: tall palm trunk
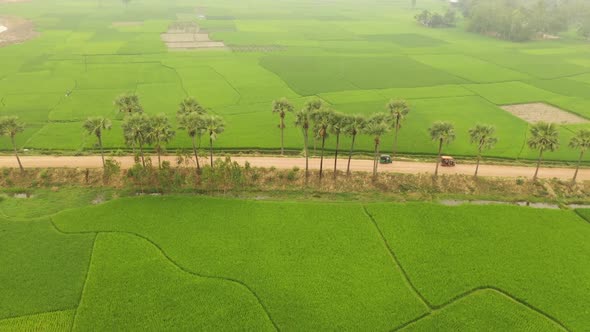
{"points": [[538, 164], [350, 154], [322, 157], [282, 134], [376, 156], [336, 156], [211, 151], [440, 145], [141, 153], [578, 166], [477, 164], [306, 148], [395, 139], [20, 165], [159, 150], [196, 155], [101, 150]]}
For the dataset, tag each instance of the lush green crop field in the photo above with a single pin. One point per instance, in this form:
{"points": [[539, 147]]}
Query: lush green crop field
{"points": [[179, 263], [354, 55]]}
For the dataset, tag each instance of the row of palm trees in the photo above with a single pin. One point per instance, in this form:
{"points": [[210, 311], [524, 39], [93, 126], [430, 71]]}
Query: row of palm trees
{"points": [[323, 121], [141, 130]]}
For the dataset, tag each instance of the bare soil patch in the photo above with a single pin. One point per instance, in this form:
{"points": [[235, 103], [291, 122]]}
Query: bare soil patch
{"points": [[17, 30], [188, 36], [540, 112], [127, 24]]}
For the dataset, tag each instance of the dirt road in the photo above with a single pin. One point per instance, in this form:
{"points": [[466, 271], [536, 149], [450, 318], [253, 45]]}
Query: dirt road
{"points": [[407, 167]]}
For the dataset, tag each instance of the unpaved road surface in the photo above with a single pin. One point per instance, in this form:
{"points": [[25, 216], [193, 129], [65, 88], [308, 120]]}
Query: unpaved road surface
{"points": [[407, 167]]}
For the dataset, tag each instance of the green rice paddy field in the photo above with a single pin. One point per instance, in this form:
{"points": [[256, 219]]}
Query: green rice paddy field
{"points": [[355, 55], [198, 263]]}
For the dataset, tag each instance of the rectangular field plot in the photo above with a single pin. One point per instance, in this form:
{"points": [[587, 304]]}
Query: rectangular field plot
{"points": [[470, 68], [564, 86], [161, 98], [254, 83], [333, 73], [30, 108], [39, 82], [81, 104], [406, 40], [110, 76], [58, 136], [511, 93], [540, 66]]}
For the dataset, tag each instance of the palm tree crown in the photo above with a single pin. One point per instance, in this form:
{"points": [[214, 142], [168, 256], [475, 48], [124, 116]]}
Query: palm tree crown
{"points": [[213, 125], [442, 131], [96, 125], [483, 136], [398, 110], [11, 126], [190, 105], [282, 107], [581, 141], [128, 103], [544, 136]]}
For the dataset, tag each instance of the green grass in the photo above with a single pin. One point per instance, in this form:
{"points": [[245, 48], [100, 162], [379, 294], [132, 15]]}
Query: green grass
{"points": [[132, 285], [485, 310], [42, 270], [355, 56], [51, 321], [317, 254], [181, 262], [525, 252]]}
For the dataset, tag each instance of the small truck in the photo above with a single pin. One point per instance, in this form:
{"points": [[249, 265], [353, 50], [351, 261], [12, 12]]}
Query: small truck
{"points": [[385, 159], [447, 161]]}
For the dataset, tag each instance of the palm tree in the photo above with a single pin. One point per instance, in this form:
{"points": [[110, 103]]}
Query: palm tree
{"points": [[137, 130], [96, 126], [11, 126], [128, 103], [443, 133], [193, 124], [353, 125], [544, 137], [190, 105], [161, 133], [483, 136], [213, 125], [581, 141], [377, 126], [336, 127], [313, 106], [302, 118], [398, 110], [282, 107], [322, 120]]}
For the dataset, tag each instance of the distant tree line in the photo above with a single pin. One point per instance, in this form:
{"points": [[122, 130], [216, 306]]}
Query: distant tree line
{"points": [[522, 20], [436, 20]]}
